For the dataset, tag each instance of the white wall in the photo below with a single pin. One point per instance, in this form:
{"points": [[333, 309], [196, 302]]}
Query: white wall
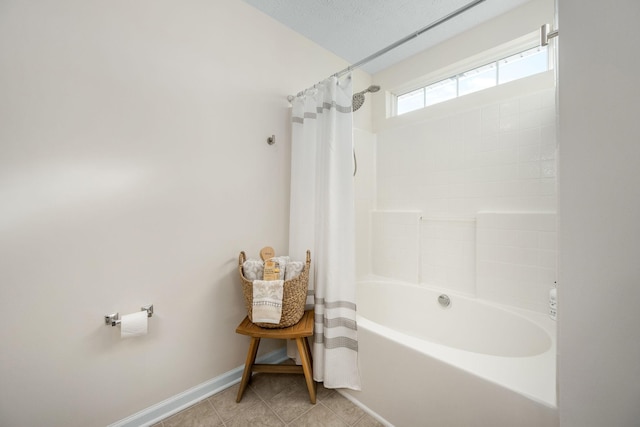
{"points": [[599, 211], [490, 151], [512, 25], [133, 169], [497, 154], [517, 258], [365, 195], [495, 157]]}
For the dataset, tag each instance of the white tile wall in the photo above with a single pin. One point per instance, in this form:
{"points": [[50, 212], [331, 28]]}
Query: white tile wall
{"points": [[395, 244], [516, 258], [447, 253], [496, 157]]}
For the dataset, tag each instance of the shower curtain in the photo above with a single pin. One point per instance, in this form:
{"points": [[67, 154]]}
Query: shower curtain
{"points": [[322, 219]]}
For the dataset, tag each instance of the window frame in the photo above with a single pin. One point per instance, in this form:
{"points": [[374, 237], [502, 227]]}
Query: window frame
{"points": [[514, 47]]}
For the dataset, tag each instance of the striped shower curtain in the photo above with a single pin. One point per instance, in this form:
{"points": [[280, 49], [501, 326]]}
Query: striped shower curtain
{"points": [[322, 219]]}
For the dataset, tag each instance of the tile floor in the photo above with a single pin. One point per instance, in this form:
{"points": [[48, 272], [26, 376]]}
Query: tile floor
{"points": [[273, 400]]}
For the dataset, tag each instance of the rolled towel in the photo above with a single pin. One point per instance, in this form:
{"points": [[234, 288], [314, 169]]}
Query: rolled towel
{"points": [[294, 268], [253, 269], [282, 264], [267, 301]]}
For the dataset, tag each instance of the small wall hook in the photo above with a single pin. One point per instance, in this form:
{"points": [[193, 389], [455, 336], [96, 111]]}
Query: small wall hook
{"points": [[271, 140]]}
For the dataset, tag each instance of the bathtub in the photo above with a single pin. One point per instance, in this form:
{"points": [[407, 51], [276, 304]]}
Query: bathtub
{"points": [[473, 363]]}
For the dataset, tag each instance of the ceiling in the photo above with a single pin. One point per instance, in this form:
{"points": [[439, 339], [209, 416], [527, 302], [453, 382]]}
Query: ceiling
{"points": [[355, 29]]}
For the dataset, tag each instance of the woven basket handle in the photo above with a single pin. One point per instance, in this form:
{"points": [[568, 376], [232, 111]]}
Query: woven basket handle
{"points": [[308, 256]]}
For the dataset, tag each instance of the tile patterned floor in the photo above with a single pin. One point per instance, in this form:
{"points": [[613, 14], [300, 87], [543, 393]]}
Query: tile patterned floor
{"points": [[273, 400]]}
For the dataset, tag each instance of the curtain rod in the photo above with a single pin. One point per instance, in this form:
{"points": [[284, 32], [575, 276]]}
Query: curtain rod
{"points": [[401, 41]]}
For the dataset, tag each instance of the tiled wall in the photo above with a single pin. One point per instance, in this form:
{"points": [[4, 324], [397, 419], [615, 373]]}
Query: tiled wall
{"points": [[516, 258], [447, 253], [496, 157], [395, 245], [506, 257]]}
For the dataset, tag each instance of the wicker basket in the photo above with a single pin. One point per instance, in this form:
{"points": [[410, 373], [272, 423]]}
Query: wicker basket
{"points": [[294, 295]]}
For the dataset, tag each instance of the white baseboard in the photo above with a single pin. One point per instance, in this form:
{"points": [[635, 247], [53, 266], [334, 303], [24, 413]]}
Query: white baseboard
{"points": [[180, 401]]}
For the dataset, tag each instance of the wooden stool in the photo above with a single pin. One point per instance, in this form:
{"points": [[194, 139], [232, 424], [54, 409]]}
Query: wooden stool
{"points": [[300, 331]]}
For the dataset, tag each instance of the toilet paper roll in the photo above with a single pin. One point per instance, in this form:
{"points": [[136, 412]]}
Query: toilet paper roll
{"points": [[134, 325]]}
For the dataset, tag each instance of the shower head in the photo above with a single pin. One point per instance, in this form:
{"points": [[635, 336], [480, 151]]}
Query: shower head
{"points": [[358, 98]]}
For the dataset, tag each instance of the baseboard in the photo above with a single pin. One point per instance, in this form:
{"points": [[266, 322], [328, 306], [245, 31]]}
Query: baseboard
{"points": [[180, 401], [365, 408]]}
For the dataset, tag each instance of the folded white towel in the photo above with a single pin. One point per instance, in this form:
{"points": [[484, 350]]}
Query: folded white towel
{"points": [[294, 268], [267, 301], [253, 269]]}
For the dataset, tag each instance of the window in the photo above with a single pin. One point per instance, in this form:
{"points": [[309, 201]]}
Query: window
{"points": [[440, 92], [523, 64], [411, 101], [477, 79]]}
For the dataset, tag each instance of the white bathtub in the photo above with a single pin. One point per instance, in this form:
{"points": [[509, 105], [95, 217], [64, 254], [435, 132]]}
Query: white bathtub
{"points": [[472, 364]]}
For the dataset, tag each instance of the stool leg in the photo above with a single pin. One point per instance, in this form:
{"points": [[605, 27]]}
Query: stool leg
{"points": [[251, 359], [306, 343], [306, 367]]}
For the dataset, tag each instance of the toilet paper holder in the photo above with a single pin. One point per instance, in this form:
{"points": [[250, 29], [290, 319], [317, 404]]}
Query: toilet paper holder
{"points": [[113, 319]]}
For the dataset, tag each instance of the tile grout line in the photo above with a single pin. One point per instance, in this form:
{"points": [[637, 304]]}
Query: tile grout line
{"points": [[318, 402], [359, 418], [264, 399], [280, 418], [338, 415], [260, 399], [265, 402], [208, 399]]}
